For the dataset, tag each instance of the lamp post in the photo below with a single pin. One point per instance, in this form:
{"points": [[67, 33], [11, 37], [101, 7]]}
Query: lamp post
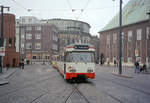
{"points": [[1, 36], [120, 36]]}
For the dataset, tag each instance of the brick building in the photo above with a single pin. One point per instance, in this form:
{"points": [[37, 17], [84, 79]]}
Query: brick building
{"points": [[38, 42], [135, 35], [94, 40], [11, 56]]}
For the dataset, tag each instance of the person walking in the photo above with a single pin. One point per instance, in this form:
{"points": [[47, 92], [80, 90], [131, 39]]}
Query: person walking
{"points": [[7, 66], [137, 67], [22, 64]]}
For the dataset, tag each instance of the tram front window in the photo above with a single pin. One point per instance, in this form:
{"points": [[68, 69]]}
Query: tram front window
{"points": [[80, 57]]}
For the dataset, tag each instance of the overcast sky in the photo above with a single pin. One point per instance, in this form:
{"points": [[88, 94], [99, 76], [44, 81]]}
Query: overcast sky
{"points": [[95, 12]]}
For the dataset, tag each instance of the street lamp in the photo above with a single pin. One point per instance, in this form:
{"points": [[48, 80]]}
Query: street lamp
{"points": [[120, 42]]}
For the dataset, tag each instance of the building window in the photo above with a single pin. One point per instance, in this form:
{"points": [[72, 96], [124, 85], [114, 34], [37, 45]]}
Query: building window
{"points": [[34, 57], [10, 42], [138, 59], [28, 28], [139, 34], [37, 36], [129, 36], [38, 28], [17, 30], [129, 60], [28, 36], [28, 46], [22, 36], [147, 33], [108, 39], [122, 35], [55, 38], [54, 47], [23, 20], [22, 45], [30, 20], [114, 38], [38, 46]]}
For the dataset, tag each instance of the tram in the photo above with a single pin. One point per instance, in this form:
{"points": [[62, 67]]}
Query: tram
{"points": [[78, 60]]}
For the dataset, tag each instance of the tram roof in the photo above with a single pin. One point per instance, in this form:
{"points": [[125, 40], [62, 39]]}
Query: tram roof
{"points": [[80, 44]]}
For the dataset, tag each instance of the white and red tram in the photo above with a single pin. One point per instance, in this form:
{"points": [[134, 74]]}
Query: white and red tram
{"points": [[78, 60]]}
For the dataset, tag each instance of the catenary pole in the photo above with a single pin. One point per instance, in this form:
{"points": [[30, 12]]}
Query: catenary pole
{"points": [[120, 42], [1, 35]]}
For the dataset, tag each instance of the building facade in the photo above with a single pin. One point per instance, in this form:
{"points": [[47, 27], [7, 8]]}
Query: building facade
{"points": [[38, 42], [95, 41], [70, 31], [11, 55], [135, 36], [27, 20]]}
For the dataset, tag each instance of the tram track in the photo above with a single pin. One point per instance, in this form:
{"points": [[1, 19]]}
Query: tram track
{"points": [[28, 85], [122, 85], [129, 87], [76, 90]]}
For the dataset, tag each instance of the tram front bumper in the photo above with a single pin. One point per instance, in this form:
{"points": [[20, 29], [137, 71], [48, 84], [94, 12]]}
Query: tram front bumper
{"points": [[75, 75]]}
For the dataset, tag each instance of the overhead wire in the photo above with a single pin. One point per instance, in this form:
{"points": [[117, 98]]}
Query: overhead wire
{"points": [[82, 10], [72, 10], [26, 9]]}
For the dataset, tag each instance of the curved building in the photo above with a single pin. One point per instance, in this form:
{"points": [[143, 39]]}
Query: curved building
{"points": [[70, 31]]}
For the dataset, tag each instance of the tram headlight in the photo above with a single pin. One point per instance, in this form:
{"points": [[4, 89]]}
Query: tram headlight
{"points": [[90, 70], [71, 69]]}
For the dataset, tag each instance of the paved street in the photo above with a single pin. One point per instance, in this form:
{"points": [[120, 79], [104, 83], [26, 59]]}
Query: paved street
{"points": [[43, 84]]}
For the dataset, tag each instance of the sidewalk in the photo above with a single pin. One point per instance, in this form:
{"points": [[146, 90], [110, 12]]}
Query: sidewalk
{"points": [[127, 72], [6, 73]]}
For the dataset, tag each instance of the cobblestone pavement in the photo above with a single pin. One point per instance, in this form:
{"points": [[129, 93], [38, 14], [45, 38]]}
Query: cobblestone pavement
{"points": [[44, 84]]}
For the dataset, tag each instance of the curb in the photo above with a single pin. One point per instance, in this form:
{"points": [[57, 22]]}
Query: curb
{"points": [[3, 81], [9, 74], [121, 75], [3, 78]]}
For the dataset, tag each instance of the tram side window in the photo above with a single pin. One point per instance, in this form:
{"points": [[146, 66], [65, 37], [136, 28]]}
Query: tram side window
{"points": [[62, 58], [68, 57]]}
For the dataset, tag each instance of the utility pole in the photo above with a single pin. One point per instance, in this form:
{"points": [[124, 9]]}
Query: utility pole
{"points": [[120, 31], [1, 35]]}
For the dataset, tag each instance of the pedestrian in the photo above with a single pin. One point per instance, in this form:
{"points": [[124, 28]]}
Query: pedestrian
{"points": [[115, 62], [137, 67], [143, 68], [7, 66], [101, 62], [22, 64]]}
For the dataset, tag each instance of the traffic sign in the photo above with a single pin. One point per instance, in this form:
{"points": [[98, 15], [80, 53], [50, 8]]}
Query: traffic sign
{"points": [[2, 51]]}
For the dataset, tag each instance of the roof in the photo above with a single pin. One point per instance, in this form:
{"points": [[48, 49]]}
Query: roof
{"points": [[58, 19], [135, 11]]}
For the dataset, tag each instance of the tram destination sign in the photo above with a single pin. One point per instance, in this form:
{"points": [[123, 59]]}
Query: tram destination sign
{"points": [[81, 47]]}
